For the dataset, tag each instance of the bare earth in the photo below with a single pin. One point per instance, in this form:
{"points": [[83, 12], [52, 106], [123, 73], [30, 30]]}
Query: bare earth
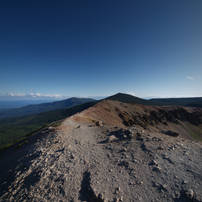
{"points": [[82, 160]]}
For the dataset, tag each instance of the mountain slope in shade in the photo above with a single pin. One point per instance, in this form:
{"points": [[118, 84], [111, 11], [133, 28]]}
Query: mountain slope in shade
{"points": [[38, 108]]}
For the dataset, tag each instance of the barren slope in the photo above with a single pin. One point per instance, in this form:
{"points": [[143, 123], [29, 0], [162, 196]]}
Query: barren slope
{"points": [[80, 161], [186, 121]]}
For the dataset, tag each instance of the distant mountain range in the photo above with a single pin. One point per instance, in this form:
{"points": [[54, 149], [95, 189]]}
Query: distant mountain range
{"points": [[10, 104], [38, 108], [185, 102], [64, 104]]}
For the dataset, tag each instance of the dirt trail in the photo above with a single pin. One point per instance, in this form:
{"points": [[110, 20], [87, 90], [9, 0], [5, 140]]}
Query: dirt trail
{"points": [[80, 161]]}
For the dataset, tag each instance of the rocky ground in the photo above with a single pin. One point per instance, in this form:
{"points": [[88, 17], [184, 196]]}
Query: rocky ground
{"points": [[85, 160]]}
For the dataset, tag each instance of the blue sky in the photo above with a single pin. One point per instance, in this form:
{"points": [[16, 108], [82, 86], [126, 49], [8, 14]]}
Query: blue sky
{"points": [[64, 48]]}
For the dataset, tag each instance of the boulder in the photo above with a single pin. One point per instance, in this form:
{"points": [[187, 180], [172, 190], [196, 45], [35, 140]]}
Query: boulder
{"points": [[98, 123], [189, 194], [111, 139], [172, 133]]}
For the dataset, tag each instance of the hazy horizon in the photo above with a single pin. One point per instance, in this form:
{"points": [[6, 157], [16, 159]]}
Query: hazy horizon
{"points": [[52, 99]]}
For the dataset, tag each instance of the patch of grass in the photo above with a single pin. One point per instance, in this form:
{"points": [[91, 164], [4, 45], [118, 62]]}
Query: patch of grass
{"points": [[57, 124], [22, 144], [6, 146], [29, 134], [195, 136]]}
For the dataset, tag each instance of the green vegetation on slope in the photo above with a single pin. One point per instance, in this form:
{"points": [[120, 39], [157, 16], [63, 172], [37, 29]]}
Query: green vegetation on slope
{"points": [[14, 128]]}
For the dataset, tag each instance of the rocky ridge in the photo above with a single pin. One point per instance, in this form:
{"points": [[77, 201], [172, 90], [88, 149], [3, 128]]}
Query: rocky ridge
{"points": [[95, 156]]}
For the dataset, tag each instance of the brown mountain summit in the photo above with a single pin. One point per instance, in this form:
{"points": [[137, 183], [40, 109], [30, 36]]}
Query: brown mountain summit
{"points": [[112, 151]]}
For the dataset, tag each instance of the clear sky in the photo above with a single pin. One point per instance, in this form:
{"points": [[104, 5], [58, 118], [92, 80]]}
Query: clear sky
{"points": [[65, 48]]}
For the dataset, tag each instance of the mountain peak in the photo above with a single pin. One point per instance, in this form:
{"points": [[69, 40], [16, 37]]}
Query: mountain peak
{"points": [[122, 97]]}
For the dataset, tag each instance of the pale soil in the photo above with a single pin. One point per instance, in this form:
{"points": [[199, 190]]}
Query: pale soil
{"points": [[74, 163]]}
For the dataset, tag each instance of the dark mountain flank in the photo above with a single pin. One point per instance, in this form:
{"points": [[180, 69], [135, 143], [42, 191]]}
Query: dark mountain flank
{"points": [[37, 108]]}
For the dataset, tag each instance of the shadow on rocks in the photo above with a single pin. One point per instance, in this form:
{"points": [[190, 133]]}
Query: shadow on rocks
{"points": [[17, 164], [86, 192]]}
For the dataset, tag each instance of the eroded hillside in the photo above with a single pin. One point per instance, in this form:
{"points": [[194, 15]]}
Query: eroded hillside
{"points": [[186, 121]]}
